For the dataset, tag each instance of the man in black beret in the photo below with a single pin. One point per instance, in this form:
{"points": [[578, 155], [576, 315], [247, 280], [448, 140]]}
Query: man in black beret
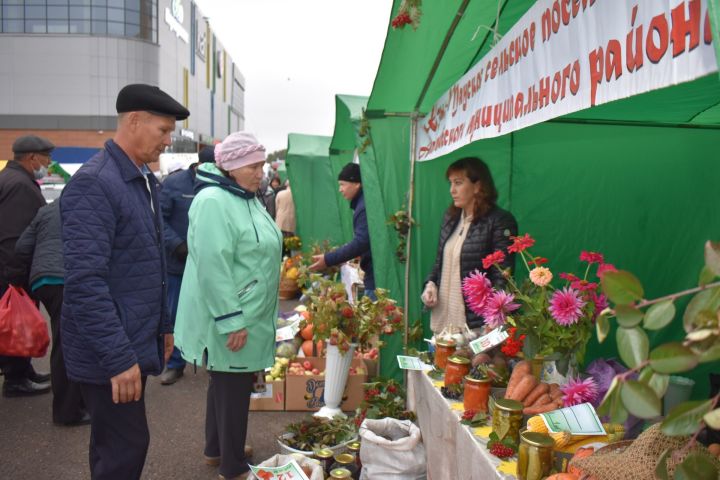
{"points": [[20, 199], [115, 325], [351, 188]]}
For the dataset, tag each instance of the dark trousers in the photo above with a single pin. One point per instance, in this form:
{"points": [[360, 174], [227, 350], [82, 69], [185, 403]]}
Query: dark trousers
{"points": [[68, 405], [226, 418], [15, 369], [119, 435], [174, 282]]}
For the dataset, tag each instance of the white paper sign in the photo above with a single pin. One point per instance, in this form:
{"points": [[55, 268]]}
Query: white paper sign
{"points": [[486, 342], [412, 363], [268, 393], [564, 56], [291, 471], [288, 332], [349, 276], [578, 420]]}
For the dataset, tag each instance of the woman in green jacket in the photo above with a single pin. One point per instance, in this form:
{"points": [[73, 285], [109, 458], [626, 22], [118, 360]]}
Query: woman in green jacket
{"points": [[229, 296]]}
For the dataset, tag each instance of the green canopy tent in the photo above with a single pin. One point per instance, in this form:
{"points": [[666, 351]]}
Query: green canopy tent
{"points": [[343, 147], [313, 189], [282, 171], [630, 179]]}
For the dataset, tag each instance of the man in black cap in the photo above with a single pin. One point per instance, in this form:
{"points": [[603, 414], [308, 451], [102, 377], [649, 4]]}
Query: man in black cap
{"points": [[177, 193], [351, 188], [115, 327], [20, 199]]}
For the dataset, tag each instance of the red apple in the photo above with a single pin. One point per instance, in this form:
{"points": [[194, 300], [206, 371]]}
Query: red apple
{"points": [[307, 365], [315, 371]]}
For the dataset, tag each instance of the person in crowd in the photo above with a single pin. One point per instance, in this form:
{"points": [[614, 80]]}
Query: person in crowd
{"points": [[351, 189], [276, 184], [115, 326], [229, 296], [473, 227], [40, 245], [176, 195], [285, 212], [266, 193], [20, 200]]}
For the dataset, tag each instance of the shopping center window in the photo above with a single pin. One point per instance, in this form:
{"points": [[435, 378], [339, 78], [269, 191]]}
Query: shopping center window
{"points": [[125, 18]]}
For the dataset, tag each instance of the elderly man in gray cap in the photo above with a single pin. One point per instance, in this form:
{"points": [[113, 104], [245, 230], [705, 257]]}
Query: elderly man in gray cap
{"points": [[20, 199], [115, 327]]}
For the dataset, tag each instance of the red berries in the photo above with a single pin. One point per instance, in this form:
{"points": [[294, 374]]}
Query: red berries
{"points": [[347, 312], [502, 451], [401, 20]]}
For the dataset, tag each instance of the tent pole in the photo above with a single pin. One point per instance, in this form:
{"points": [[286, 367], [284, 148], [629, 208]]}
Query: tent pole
{"points": [[411, 197]]}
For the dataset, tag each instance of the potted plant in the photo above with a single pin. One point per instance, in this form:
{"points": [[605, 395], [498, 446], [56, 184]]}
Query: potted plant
{"points": [[384, 398], [314, 432], [554, 322], [343, 326]]}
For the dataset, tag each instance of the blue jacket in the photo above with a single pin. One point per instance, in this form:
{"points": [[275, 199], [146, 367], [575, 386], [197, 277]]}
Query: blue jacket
{"points": [[176, 195], [114, 309], [359, 246]]}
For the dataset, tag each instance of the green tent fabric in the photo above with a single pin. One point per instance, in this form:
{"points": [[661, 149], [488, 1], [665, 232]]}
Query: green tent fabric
{"points": [[348, 113], [282, 172], [313, 190], [630, 179]]}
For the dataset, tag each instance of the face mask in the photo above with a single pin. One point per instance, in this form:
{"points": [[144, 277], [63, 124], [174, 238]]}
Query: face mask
{"points": [[40, 172]]}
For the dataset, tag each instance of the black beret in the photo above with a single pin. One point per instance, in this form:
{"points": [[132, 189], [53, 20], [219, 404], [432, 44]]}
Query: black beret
{"points": [[32, 144], [139, 97], [207, 154], [350, 173]]}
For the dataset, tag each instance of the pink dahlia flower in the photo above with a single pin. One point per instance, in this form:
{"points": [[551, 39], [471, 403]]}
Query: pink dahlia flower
{"points": [[578, 391], [497, 307], [566, 306], [476, 288]]}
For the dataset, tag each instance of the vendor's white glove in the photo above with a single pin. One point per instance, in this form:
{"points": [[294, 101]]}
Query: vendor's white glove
{"points": [[429, 295]]}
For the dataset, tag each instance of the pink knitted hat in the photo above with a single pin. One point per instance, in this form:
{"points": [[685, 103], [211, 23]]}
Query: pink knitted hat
{"points": [[239, 149]]}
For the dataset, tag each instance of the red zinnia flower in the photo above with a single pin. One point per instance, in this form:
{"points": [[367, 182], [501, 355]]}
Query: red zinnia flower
{"points": [[496, 257], [591, 257], [537, 261], [520, 244], [583, 285], [604, 268], [569, 277]]}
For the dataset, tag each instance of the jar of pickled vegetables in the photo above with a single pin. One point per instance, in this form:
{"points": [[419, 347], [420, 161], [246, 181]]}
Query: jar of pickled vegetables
{"points": [[443, 350], [346, 461], [325, 457], [340, 474], [476, 394], [456, 369], [354, 449], [535, 456], [507, 418]]}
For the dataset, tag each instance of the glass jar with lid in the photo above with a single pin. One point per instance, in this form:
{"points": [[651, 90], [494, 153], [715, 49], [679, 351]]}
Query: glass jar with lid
{"points": [[476, 394], [535, 456], [456, 369], [507, 418], [347, 461], [354, 449], [325, 457], [340, 474], [443, 350]]}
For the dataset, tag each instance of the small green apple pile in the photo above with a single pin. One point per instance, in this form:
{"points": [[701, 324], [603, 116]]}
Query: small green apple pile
{"points": [[277, 371]]}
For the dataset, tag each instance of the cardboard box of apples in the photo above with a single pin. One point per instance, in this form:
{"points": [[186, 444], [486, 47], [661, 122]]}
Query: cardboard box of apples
{"points": [[305, 384]]}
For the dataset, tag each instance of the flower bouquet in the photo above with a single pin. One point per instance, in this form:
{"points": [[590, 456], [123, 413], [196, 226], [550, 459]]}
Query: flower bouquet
{"points": [[555, 323]]}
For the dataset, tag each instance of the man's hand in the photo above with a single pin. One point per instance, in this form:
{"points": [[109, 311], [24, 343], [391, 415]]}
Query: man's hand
{"points": [[127, 386], [429, 295], [181, 251], [237, 340], [169, 344], [318, 263]]}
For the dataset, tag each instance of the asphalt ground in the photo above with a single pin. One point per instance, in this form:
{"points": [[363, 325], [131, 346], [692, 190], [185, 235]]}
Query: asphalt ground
{"points": [[32, 447]]}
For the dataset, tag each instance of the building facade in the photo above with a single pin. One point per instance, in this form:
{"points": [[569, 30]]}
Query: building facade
{"points": [[62, 63]]}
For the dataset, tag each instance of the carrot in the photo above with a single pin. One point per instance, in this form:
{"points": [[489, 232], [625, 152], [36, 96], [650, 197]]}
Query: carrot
{"points": [[537, 392], [545, 398], [520, 370], [554, 387], [523, 388], [538, 409], [563, 476]]}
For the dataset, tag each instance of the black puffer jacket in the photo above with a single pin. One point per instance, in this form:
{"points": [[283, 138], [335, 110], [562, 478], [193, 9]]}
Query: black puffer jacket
{"points": [[41, 244], [487, 234]]}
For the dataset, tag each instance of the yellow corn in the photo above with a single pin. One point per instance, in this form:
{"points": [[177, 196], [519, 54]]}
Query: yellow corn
{"points": [[562, 439], [536, 424]]}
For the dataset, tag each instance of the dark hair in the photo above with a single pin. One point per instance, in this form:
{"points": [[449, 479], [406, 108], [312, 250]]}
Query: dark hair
{"points": [[275, 179], [476, 171]]}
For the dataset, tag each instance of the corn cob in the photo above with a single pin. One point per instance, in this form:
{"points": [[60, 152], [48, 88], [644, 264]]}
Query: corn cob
{"points": [[536, 424]]}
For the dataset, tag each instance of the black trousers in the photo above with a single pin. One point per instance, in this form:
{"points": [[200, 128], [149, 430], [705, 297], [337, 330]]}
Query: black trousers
{"points": [[119, 435], [15, 369], [68, 404], [226, 418]]}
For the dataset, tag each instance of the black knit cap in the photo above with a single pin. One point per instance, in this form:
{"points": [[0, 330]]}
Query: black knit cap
{"points": [[350, 173], [139, 97], [207, 155]]}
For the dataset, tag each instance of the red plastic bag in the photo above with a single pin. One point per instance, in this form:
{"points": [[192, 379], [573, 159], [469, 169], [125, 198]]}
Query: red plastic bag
{"points": [[23, 330]]}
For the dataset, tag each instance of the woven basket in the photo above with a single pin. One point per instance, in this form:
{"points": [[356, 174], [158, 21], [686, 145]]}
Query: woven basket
{"points": [[288, 289]]}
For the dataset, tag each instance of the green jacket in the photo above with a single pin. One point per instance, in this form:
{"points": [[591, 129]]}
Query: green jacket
{"points": [[231, 277]]}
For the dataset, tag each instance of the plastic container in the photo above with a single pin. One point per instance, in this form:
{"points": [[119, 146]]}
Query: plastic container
{"points": [[679, 390]]}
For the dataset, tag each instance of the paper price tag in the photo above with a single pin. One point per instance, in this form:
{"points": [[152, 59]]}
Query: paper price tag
{"points": [[288, 332], [291, 471], [486, 342], [578, 420], [412, 363]]}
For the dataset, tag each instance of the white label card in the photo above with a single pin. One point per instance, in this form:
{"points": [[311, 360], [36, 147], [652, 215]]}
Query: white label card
{"points": [[486, 342], [412, 363], [578, 420], [291, 471]]}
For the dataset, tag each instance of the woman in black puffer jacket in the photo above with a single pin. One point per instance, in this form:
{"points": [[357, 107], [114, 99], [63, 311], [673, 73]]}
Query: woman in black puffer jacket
{"points": [[473, 227]]}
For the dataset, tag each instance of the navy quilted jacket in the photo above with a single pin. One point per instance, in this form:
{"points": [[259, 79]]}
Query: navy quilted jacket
{"points": [[114, 308]]}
